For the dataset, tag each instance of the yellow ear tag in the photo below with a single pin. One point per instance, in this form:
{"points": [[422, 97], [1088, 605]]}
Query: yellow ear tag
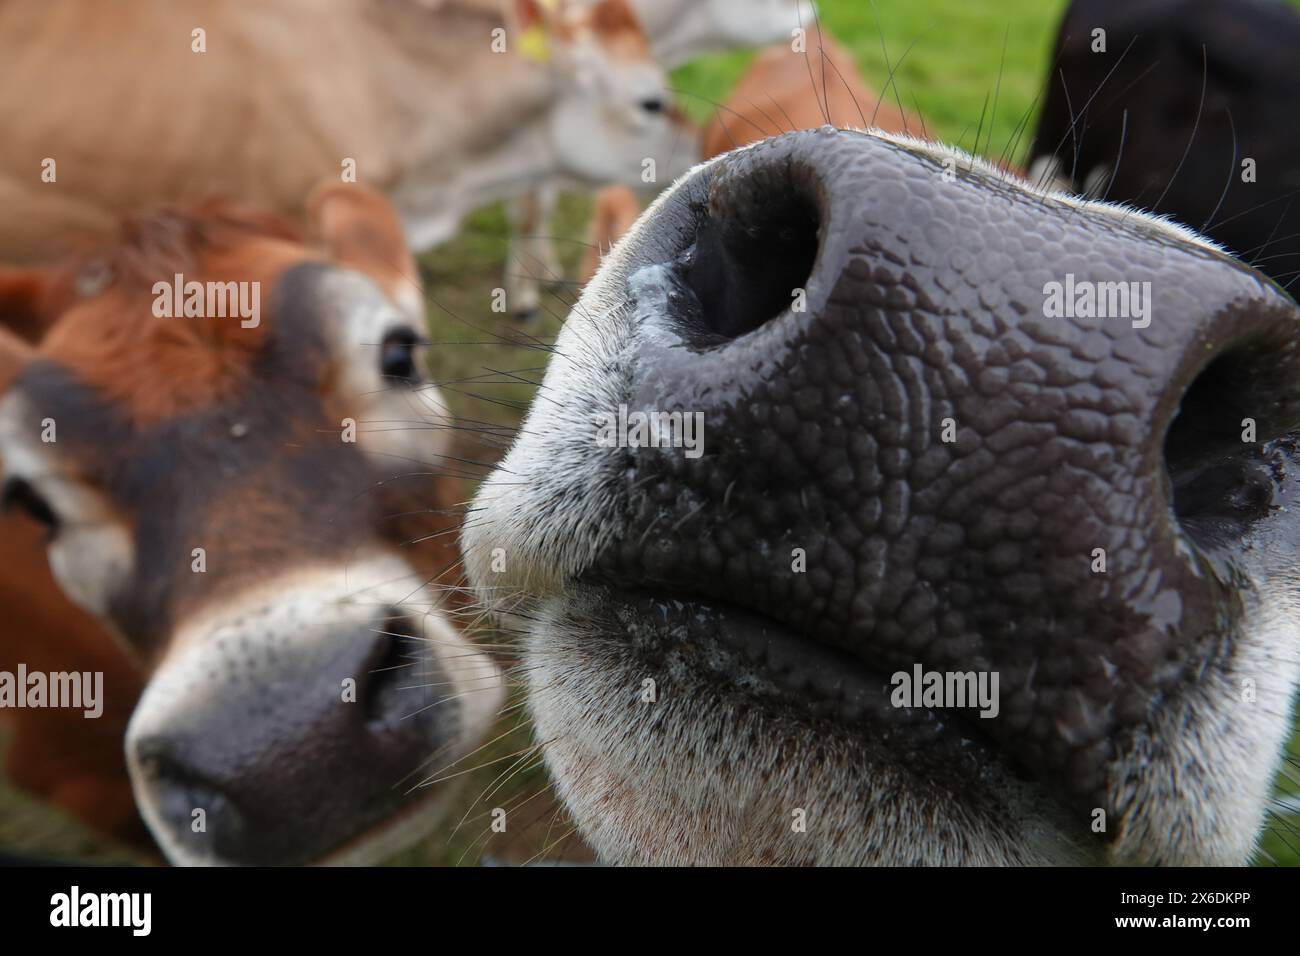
{"points": [[535, 44]]}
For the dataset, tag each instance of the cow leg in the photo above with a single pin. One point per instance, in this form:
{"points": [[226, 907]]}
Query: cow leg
{"points": [[616, 209], [530, 256], [1048, 172], [1094, 184], [545, 258]]}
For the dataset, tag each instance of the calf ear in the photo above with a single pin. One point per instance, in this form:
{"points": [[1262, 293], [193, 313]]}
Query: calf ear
{"points": [[612, 17], [359, 228], [533, 13], [30, 300], [14, 354]]}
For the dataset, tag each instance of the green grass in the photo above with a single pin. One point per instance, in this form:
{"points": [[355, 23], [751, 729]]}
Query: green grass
{"points": [[953, 59]]}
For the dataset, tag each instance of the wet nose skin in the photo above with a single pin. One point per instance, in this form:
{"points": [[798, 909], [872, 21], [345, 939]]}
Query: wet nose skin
{"points": [[284, 768], [923, 314]]}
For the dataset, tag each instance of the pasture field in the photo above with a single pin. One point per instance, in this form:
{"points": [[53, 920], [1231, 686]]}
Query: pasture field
{"points": [[973, 69]]}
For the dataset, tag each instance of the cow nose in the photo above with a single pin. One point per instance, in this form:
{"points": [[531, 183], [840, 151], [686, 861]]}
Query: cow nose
{"points": [[254, 778], [924, 443]]}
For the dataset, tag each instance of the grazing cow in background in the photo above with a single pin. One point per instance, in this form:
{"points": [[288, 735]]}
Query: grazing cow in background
{"points": [[1188, 111], [678, 31], [444, 106], [239, 514], [781, 91]]}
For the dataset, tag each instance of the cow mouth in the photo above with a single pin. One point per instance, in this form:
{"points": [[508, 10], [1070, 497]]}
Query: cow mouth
{"points": [[682, 639], [391, 834]]}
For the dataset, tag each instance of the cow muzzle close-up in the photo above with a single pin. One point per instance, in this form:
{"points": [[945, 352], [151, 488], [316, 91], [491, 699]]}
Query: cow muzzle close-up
{"points": [[238, 746], [846, 417]]}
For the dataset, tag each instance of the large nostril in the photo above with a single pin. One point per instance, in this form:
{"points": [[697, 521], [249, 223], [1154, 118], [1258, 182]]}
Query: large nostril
{"points": [[756, 247], [305, 754], [1220, 449], [397, 356], [393, 671], [188, 801]]}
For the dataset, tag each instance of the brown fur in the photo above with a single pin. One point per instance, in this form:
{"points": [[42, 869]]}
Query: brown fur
{"points": [[73, 763], [190, 362]]}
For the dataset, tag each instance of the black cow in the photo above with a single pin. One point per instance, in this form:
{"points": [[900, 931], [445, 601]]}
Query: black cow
{"points": [[1185, 92]]}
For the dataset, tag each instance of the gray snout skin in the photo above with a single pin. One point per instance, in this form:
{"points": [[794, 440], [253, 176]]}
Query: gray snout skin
{"points": [[304, 730]]}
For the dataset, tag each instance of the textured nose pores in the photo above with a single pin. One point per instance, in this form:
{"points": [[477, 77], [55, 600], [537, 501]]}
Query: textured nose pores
{"points": [[915, 446]]}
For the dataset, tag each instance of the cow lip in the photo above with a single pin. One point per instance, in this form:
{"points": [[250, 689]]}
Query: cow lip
{"points": [[741, 652], [342, 854]]}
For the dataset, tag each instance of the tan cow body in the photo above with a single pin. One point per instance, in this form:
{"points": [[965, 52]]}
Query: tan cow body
{"points": [[129, 106]]}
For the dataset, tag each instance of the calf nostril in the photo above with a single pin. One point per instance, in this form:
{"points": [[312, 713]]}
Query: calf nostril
{"points": [[1220, 449], [181, 792], [397, 356], [1226, 490], [393, 670], [755, 250]]}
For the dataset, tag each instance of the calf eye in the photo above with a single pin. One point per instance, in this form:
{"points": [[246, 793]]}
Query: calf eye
{"points": [[652, 105], [397, 355], [18, 495]]}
